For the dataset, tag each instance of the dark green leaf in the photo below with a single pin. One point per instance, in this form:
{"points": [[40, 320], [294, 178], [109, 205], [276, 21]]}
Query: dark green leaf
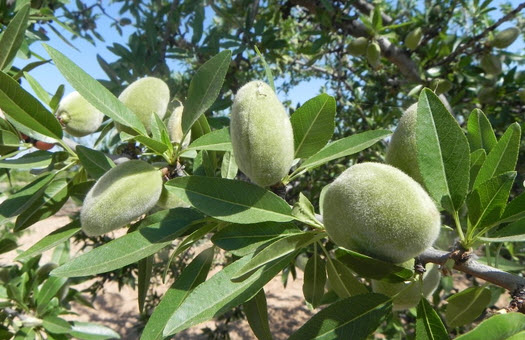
{"points": [[24, 109], [314, 280], [218, 140], [244, 239], [443, 153], [218, 294], [7, 244], [33, 160], [145, 267], [503, 156], [95, 162], [56, 325], [477, 158], [53, 239], [368, 267], [303, 210], [94, 92], [165, 226], [351, 318], [256, 311], [515, 210], [342, 280], [204, 88], [514, 232], [497, 327], [13, 36], [48, 290], [428, 324], [465, 306], [230, 200], [344, 147], [313, 125], [479, 132]]}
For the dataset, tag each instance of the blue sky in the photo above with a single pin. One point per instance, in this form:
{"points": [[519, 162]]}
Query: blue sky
{"points": [[85, 57]]}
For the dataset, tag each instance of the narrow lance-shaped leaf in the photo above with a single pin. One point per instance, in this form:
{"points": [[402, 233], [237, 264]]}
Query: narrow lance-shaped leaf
{"points": [[313, 125], [267, 68], [92, 331], [428, 323], [13, 36], [442, 152], [314, 280], [256, 310], [94, 92], [477, 158], [344, 147], [230, 200], [500, 326], [37, 88], [514, 232], [229, 167], [218, 294], [163, 228], [503, 156], [193, 275], [204, 88], [352, 318], [218, 140], [145, 267], [23, 109], [33, 160], [342, 280], [95, 162], [480, 134], [515, 210], [465, 306]]}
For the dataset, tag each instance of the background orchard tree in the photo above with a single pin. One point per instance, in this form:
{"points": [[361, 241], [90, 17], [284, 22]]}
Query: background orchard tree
{"points": [[451, 58]]}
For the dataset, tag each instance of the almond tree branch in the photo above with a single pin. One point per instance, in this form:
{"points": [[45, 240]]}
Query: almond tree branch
{"points": [[467, 264]]}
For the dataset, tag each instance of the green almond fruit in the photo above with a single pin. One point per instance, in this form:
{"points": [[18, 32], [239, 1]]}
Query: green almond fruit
{"points": [[145, 97], [505, 38], [373, 54], [409, 297], [175, 127], [357, 46], [401, 151], [440, 86], [378, 210], [491, 64], [120, 196], [261, 133], [413, 39], [78, 116]]}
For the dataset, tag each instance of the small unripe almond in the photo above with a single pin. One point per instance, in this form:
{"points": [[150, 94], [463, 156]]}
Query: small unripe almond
{"points": [[409, 297], [401, 152], [78, 116], [380, 211], [505, 38], [120, 196], [261, 134], [175, 127], [357, 46], [145, 97], [413, 38], [373, 54], [441, 86], [491, 64]]}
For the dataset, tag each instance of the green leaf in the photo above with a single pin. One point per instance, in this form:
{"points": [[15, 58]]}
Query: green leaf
{"points": [[342, 280], [514, 232], [515, 210], [303, 210], [33, 160], [256, 311], [487, 202], [8, 138], [229, 167], [24, 197], [204, 88], [159, 230], [218, 140], [7, 244], [95, 162], [92, 331], [13, 36], [428, 323], [371, 268], [477, 158], [267, 68], [480, 134], [51, 240], [442, 152], [344, 147], [219, 294], [497, 327], [48, 290], [503, 156], [145, 268], [351, 318], [244, 239], [313, 125], [278, 249], [193, 275], [465, 306], [94, 92], [24, 109], [314, 280], [37, 88], [230, 200], [55, 101], [56, 325], [54, 197]]}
